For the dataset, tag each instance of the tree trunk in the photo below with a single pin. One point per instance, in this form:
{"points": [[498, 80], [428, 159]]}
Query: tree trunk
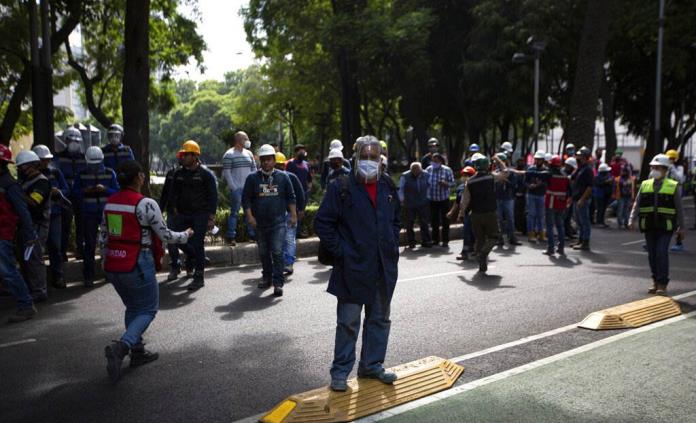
{"points": [[136, 81], [588, 74], [609, 116]]}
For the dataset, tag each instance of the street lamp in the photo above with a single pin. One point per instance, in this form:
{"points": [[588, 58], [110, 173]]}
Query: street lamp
{"points": [[537, 47]]}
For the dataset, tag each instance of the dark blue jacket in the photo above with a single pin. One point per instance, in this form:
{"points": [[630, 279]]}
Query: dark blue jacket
{"points": [[115, 155], [535, 184], [505, 190], [413, 191], [93, 204], [268, 197], [55, 176], [70, 165], [300, 198], [363, 238], [326, 170]]}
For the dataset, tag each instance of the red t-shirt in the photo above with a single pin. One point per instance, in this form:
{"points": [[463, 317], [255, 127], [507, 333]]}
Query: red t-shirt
{"points": [[371, 189]]}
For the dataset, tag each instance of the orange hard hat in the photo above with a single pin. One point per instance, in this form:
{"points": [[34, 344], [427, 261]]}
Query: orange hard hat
{"points": [[190, 146]]}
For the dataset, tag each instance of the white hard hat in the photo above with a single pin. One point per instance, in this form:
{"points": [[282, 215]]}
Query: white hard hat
{"points": [[42, 151], [477, 156], [572, 162], [604, 167], [116, 128], [72, 134], [540, 154], [94, 155], [336, 145], [266, 150], [335, 153], [507, 146], [659, 160], [25, 157], [548, 157], [570, 146]]}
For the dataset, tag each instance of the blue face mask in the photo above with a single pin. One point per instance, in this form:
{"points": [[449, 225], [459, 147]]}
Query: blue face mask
{"points": [[368, 169]]}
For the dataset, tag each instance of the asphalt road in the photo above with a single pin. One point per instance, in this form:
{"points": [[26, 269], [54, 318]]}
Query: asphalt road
{"points": [[230, 351]]}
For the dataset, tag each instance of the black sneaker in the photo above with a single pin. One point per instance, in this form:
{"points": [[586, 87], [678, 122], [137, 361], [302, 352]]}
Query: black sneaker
{"points": [[548, 252], [173, 275], [514, 241], [338, 385], [23, 314], [114, 354], [58, 283], [197, 282], [41, 297], [264, 284], [427, 245], [483, 264], [277, 291], [140, 356]]}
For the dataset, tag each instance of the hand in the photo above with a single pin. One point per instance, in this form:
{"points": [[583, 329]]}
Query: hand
{"points": [[444, 183], [293, 220], [100, 188], [460, 218], [581, 203], [631, 226], [189, 232], [252, 221], [450, 216], [211, 223]]}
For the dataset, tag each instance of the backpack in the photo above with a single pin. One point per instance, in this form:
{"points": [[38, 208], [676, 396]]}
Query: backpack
{"points": [[325, 256]]}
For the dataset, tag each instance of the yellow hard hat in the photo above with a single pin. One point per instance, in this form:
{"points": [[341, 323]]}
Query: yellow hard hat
{"points": [[383, 144], [672, 154], [190, 146], [280, 158]]}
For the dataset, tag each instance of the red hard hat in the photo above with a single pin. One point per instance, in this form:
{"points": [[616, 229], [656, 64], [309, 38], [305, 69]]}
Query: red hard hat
{"points": [[467, 171], [555, 161], [5, 154]]}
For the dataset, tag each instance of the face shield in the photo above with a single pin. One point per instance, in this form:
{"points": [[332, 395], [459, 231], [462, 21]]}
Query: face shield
{"points": [[114, 137], [368, 159]]}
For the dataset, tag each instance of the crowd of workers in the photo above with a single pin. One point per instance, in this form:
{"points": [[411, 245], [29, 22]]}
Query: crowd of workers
{"points": [[99, 189]]}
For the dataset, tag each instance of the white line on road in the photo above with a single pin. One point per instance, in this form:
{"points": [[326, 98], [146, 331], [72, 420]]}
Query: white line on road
{"points": [[517, 370], [436, 275], [684, 295], [13, 343], [633, 242]]}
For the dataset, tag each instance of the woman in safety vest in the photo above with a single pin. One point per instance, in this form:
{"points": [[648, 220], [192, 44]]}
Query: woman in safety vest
{"points": [[658, 208], [132, 253]]}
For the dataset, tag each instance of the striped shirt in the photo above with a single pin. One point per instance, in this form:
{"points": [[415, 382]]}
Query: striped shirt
{"points": [[236, 166], [437, 191]]}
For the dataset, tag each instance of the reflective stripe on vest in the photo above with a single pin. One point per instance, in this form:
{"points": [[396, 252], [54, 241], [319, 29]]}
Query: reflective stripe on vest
{"points": [[557, 192], [657, 211]]}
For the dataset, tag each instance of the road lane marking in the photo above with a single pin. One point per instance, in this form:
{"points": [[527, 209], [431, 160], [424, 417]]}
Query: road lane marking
{"points": [[436, 275], [518, 370], [633, 242], [13, 343], [684, 295]]}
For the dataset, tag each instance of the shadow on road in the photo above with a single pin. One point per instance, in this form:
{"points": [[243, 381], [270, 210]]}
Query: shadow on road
{"points": [[485, 282], [253, 301]]}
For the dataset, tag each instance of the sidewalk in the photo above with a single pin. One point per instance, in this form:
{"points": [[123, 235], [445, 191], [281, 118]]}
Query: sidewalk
{"points": [[645, 377], [242, 253]]}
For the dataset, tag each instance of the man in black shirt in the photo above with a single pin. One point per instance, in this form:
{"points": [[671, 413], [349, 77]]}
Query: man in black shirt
{"points": [[582, 181]]}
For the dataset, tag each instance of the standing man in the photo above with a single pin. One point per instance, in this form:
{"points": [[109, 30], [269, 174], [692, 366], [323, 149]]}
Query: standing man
{"points": [[625, 194], [433, 148], [413, 195], [301, 168], [166, 205], [556, 202], [521, 199], [536, 189], [440, 182], [583, 180], [290, 245], [602, 192], [332, 163], [116, 151], [479, 198], [93, 186], [14, 214], [194, 195], [358, 223], [505, 196], [659, 212], [59, 201], [71, 162], [37, 194], [267, 199], [237, 163]]}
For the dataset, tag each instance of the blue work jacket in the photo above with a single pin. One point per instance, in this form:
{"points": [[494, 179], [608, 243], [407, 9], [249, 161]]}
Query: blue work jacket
{"points": [[93, 204], [363, 238], [70, 165], [113, 155], [55, 176]]}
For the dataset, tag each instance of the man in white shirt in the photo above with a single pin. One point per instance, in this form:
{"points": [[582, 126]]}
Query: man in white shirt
{"points": [[237, 163]]}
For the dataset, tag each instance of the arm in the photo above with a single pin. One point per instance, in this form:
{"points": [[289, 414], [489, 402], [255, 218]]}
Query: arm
{"points": [[113, 184], [290, 198], [26, 226], [247, 195], [149, 214], [300, 199], [400, 192], [680, 211], [130, 153], [466, 199], [324, 173], [634, 211], [212, 193], [326, 220], [164, 196]]}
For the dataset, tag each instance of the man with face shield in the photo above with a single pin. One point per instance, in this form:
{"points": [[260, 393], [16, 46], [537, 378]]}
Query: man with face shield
{"points": [[358, 223], [93, 186], [37, 192], [659, 212], [71, 162], [116, 151]]}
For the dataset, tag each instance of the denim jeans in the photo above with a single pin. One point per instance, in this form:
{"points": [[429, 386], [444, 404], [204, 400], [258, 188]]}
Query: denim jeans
{"points": [[555, 218], [270, 243], [535, 213], [375, 336], [582, 217], [54, 247], [623, 210], [194, 248], [235, 205], [90, 227], [423, 215], [290, 245], [506, 218], [139, 292], [10, 275], [658, 255]]}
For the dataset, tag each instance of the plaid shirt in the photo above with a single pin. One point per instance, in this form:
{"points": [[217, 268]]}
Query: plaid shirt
{"points": [[436, 191]]}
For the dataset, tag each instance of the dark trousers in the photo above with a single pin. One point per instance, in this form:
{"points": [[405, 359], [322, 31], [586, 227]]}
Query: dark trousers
{"points": [[270, 241], [486, 232], [90, 228], [66, 227], [194, 248], [54, 247], [423, 215], [521, 214], [658, 255], [438, 218], [601, 207]]}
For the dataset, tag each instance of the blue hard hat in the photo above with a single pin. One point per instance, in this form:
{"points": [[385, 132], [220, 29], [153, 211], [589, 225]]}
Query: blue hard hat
{"points": [[474, 148]]}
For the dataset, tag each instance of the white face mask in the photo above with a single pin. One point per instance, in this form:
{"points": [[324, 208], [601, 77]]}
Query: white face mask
{"points": [[368, 169], [247, 144], [656, 174], [74, 147]]}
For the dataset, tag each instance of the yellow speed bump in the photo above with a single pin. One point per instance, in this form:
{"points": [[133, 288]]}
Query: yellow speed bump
{"points": [[367, 396], [632, 315]]}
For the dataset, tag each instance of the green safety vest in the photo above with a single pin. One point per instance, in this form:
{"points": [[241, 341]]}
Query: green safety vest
{"points": [[657, 211]]}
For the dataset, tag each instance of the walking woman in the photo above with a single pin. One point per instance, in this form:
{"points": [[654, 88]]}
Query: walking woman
{"points": [[131, 234]]}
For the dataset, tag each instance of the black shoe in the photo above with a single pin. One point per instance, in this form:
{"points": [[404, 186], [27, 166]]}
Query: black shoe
{"points": [[427, 245], [445, 245], [114, 358], [173, 275], [463, 256], [39, 298], [277, 291], [548, 252], [561, 252], [338, 385], [140, 356], [514, 242], [288, 270], [411, 246], [58, 283], [483, 264], [383, 376], [264, 284], [197, 282], [22, 315]]}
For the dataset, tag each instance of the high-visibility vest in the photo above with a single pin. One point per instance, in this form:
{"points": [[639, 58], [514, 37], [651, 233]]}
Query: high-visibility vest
{"points": [[657, 211], [557, 192]]}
